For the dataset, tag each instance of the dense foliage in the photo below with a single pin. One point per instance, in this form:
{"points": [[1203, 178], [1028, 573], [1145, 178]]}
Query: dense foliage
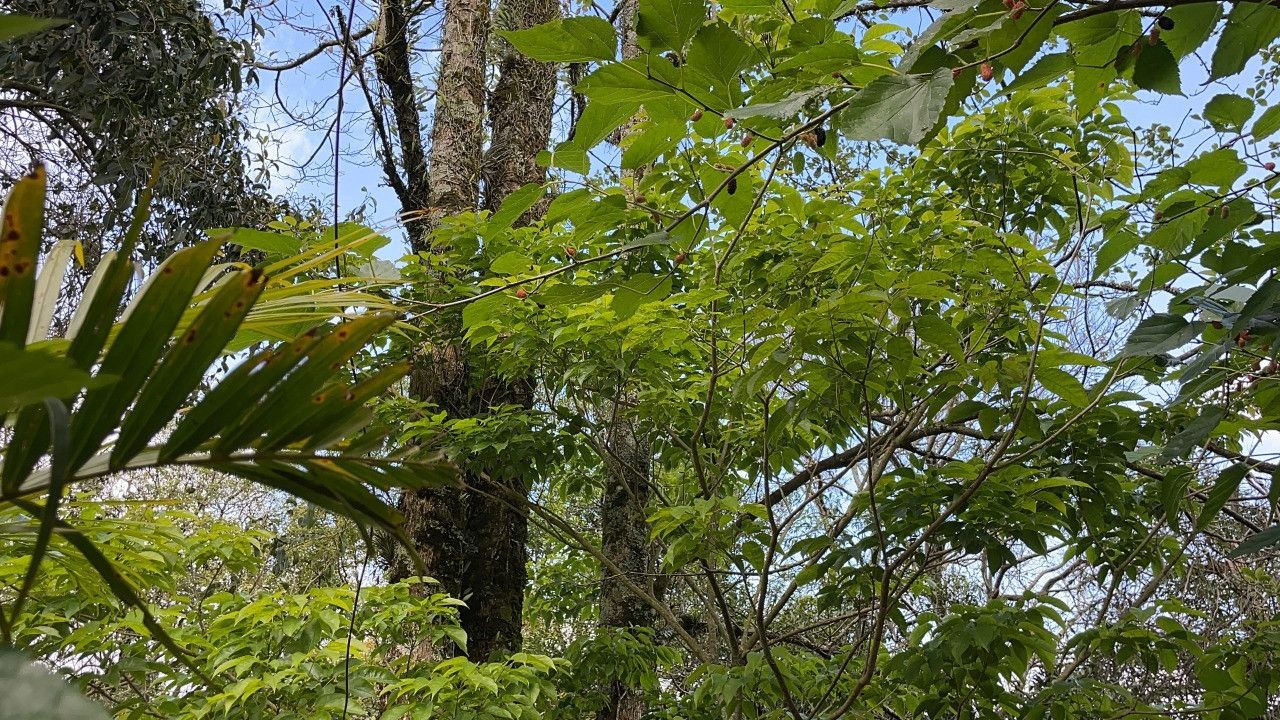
{"points": [[901, 361]]}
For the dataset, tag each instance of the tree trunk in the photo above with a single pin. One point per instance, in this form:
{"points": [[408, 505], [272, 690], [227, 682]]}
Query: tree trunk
{"points": [[624, 537], [474, 541], [435, 519], [519, 109], [520, 122]]}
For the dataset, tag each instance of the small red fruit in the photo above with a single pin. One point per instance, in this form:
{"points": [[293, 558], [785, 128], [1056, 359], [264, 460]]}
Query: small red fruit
{"points": [[987, 72], [571, 251], [681, 258], [955, 72], [1008, 4], [729, 122], [748, 139], [520, 293], [641, 199], [1153, 37], [1159, 216], [809, 139], [697, 115], [1270, 166], [1018, 9]]}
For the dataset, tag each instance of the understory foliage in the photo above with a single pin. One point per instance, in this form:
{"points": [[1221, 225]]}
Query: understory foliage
{"points": [[944, 355]]}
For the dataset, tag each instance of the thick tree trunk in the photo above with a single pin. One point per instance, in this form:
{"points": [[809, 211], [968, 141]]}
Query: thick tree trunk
{"points": [[520, 122], [457, 130], [435, 519], [474, 541], [519, 109], [624, 537]]}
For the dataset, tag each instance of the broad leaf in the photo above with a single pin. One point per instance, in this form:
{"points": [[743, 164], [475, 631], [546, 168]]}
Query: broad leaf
{"points": [[901, 108], [574, 39]]}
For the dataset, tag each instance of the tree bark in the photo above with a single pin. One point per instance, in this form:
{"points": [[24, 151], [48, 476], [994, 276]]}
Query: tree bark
{"points": [[473, 542], [624, 536], [520, 111], [457, 131], [435, 519]]}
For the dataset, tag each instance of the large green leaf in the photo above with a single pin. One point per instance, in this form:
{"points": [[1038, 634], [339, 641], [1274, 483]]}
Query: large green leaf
{"points": [[669, 24], [1160, 333], [142, 339], [271, 243], [575, 39], [901, 108], [1228, 112], [1250, 27], [1156, 69], [186, 363]]}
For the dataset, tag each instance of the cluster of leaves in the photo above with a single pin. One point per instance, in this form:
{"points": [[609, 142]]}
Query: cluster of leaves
{"points": [[252, 650]]}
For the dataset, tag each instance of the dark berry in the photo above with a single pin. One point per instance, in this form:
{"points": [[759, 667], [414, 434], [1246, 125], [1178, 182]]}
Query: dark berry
{"points": [[1165, 23]]}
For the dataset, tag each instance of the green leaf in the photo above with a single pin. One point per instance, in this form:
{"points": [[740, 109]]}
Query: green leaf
{"points": [[1194, 433], [1219, 168], [1113, 249], [1160, 333], [31, 692], [1047, 70], [1173, 488], [1223, 488], [1063, 384], [901, 108], [511, 263], [1228, 113], [29, 376], [660, 237], [260, 240], [783, 109], [652, 141], [714, 66], [516, 205], [941, 334], [638, 290], [1156, 69], [133, 355], [1267, 124], [669, 24], [13, 25], [575, 39], [623, 84], [597, 122], [296, 393], [187, 362], [1257, 541], [1250, 27], [1192, 26]]}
